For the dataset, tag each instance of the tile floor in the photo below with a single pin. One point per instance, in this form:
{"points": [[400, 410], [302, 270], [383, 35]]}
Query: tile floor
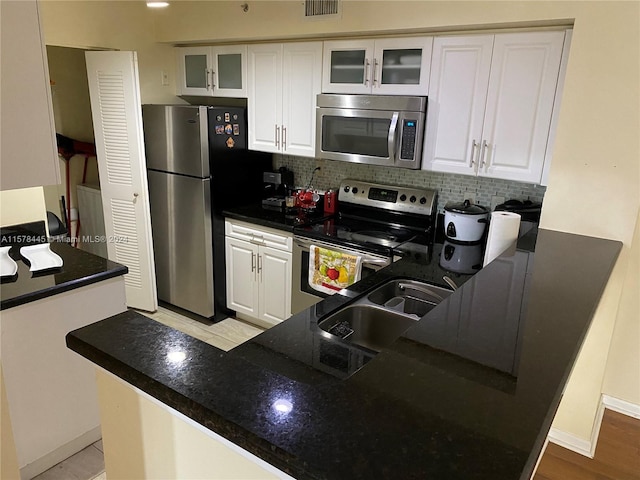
{"points": [[88, 464]]}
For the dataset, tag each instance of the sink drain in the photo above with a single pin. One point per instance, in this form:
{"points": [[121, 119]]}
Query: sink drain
{"points": [[341, 329]]}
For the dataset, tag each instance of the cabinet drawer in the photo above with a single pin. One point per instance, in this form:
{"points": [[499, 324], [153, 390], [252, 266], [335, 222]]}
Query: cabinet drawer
{"points": [[259, 235]]}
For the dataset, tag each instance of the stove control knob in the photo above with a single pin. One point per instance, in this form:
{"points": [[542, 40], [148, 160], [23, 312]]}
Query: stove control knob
{"points": [[346, 189], [354, 189], [403, 197], [423, 200], [413, 199]]}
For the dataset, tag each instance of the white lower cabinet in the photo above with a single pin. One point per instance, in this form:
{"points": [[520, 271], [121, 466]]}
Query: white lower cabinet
{"points": [[258, 271]]}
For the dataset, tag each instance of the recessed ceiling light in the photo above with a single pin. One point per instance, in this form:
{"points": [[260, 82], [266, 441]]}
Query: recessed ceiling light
{"points": [[157, 4]]}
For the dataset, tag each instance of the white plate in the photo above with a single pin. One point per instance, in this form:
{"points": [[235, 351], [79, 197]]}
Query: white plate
{"points": [[8, 267], [410, 59], [40, 257]]}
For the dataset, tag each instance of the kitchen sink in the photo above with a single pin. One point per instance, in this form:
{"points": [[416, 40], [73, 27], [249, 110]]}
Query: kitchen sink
{"points": [[366, 325], [408, 296], [377, 319]]}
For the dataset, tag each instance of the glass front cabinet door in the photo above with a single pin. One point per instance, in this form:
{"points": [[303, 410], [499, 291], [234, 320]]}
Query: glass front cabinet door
{"points": [[212, 71], [394, 66]]}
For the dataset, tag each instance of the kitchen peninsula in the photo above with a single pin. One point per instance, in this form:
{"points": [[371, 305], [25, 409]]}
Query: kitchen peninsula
{"points": [[291, 399], [51, 395]]}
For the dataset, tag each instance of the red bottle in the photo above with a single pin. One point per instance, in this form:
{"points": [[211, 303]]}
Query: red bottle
{"points": [[330, 201]]}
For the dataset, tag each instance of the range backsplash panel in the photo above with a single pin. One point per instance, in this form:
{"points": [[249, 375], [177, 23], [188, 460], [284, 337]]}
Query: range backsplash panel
{"points": [[450, 187]]}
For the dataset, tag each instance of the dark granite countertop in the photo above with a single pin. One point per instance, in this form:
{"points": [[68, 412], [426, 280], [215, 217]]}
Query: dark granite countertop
{"points": [[255, 213], [79, 268], [469, 392]]}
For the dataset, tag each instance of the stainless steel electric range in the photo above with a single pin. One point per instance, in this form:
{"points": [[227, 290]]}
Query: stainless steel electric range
{"points": [[374, 220]]}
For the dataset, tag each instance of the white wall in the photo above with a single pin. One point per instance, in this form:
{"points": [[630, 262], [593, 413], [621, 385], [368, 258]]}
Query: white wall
{"points": [[594, 181], [22, 205], [622, 379], [117, 25], [144, 439]]}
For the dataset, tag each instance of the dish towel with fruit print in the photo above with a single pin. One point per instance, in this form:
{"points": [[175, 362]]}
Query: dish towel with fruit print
{"points": [[331, 271]]}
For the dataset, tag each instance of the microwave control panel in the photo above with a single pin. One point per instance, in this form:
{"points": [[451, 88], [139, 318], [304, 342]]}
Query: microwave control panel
{"points": [[408, 141]]}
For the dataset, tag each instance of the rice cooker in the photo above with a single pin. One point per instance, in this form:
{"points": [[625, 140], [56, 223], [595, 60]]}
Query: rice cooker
{"points": [[465, 222], [457, 258]]}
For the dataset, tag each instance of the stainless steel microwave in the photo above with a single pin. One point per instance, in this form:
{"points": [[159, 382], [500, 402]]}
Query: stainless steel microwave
{"points": [[372, 129]]}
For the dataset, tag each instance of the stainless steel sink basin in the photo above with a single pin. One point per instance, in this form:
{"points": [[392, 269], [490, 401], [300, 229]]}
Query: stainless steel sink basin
{"points": [[408, 296], [366, 325], [379, 318]]}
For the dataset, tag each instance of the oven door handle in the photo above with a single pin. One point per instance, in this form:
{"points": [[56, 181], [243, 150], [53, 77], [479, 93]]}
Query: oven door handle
{"points": [[367, 260], [391, 138]]}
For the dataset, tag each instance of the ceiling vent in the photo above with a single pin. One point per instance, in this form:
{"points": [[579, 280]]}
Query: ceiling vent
{"points": [[321, 8]]}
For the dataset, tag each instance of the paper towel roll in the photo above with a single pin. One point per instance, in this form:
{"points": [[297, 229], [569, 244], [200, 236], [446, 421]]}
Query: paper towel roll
{"points": [[503, 233]]}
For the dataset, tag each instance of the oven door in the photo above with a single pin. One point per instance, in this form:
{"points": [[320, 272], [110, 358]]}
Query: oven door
{"points": [[375, 137], [303, 295]]}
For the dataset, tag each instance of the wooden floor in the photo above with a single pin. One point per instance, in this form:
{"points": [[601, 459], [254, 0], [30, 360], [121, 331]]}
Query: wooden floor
{"points": [[617, 454]]}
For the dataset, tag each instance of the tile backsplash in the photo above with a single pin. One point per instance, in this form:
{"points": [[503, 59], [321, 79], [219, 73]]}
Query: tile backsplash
{"points": [[450, 187]]}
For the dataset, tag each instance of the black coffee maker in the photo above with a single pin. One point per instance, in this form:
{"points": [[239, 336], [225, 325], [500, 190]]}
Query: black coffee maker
{"points": [[276, 185]]}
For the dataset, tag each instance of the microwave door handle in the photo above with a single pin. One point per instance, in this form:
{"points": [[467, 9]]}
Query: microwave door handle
{"points": [[391, 139]]}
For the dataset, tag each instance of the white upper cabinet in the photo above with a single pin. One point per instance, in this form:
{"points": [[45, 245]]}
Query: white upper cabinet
{"points": [[29, 151], [456, 102], [284, 80], [491, 101], [393, 66], [212, 71]]}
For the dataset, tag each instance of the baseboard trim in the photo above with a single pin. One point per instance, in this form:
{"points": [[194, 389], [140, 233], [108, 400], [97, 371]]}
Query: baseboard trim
{"points": [[579, 444], [621, 406], [588, 447], [59, 454]]}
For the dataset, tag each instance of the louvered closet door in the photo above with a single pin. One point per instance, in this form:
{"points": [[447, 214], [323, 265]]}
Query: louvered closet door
{"points": [[117, 121]]}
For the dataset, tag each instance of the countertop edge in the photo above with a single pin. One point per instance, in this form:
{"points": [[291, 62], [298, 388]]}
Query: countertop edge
{"points": [[557, 398], [64, 287]]}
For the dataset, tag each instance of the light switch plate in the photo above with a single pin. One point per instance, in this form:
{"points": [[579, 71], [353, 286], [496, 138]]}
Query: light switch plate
{"points": [[495, 201]]}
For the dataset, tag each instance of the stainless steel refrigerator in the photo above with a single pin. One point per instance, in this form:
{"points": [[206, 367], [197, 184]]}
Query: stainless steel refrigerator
{"points": [[197, 165]]}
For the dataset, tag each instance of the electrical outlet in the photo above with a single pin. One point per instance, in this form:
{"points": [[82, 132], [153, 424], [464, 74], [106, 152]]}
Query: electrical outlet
{"points": [[495, 201], [165, 78]]}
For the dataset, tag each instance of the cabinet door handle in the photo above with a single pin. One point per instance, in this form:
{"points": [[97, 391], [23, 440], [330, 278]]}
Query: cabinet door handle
{"points": [[259, 264], [213, 79], [207, 74], [366, 71], [284, 137], [483, 159], [277, 137], [474, 146], [375, 71], [253, 262]]}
